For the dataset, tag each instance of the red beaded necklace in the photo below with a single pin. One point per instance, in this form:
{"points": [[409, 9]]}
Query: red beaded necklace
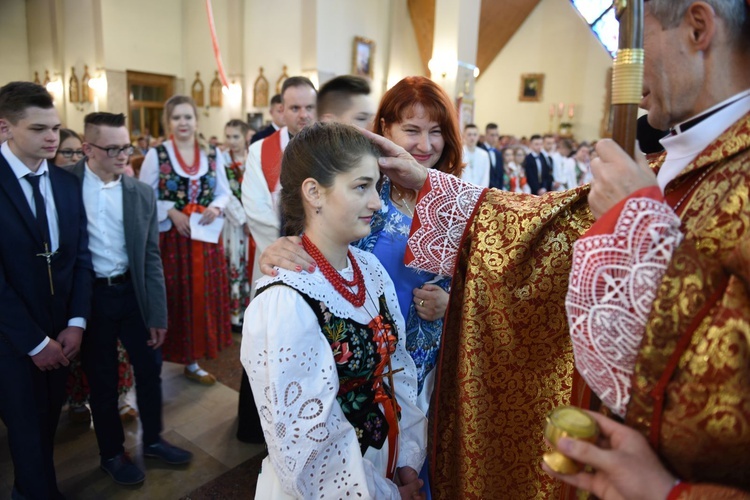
{"points": [[192, 169], [334, 278]]}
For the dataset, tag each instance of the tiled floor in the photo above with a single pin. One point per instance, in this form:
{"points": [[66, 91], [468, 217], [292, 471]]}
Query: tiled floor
{"points": [[201, 419]]}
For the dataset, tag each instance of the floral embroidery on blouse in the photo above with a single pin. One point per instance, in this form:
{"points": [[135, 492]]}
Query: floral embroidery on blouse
{"points": [[181, 190], [359, 358]]}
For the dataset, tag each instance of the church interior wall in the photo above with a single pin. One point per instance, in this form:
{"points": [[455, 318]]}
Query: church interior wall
{"points": [[556, 41], [15, 65], [312, 37]]}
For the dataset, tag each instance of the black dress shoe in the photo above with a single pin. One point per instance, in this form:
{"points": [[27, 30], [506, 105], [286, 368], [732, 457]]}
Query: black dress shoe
{"points": [[123, 470], [167, 453]]}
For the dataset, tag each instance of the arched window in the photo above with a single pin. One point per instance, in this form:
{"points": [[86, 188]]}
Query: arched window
{"points": [[600, 15]]}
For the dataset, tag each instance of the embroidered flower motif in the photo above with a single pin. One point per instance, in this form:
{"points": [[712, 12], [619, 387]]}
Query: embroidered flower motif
{"points": [[165, 168], [341, 352], [171, 185]]}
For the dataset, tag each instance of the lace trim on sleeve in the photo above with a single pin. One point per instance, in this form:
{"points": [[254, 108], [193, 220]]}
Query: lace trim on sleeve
{"points": [[440, 218], [613, 284]]}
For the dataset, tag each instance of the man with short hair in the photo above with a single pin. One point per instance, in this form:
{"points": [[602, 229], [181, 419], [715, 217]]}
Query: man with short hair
{"points": [[45, 284], [491, 144], [260, 198], [477, 170], [538, 171], [346, 99], [129, 302], [277, 119]]}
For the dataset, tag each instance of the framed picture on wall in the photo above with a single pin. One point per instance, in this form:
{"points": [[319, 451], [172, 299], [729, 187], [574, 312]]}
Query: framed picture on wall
{"points": [[362, 57], [532, 85]]}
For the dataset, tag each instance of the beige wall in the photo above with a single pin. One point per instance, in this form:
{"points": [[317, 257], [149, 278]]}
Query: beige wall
{"points": [[15, 60], [556, 41]]}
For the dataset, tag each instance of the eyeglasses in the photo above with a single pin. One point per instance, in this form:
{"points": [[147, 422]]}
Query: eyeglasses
{"points": [[69, 153], [115, 152]]}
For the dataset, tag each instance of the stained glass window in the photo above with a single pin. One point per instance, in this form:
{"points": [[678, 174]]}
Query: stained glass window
{"points": [[601, 18]]}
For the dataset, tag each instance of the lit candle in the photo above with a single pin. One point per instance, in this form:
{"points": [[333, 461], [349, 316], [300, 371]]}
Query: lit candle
{"points": [[560, 109], [571, 110]]}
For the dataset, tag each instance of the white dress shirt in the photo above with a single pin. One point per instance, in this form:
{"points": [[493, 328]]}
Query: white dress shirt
{"points": [[684, 147], [20, 170], [477, 170], [103, 202]]}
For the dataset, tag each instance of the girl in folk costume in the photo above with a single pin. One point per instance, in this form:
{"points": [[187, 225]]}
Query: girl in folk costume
{"points": [[337, 387], [518, 183], [238, 244], [188, 181]]}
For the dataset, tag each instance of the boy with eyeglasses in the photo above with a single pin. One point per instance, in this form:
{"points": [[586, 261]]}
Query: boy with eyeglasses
{"points": [[129, 302]]}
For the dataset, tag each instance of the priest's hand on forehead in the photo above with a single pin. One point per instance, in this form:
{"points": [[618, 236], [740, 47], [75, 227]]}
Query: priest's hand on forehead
{"points": [[616, 176], [397, 164]]}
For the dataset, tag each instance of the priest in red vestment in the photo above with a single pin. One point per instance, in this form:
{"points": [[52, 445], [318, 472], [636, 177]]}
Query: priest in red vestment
{"points": [[659, 301]]}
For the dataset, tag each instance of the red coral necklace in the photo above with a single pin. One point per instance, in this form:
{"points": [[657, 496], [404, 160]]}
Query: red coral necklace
{"points": [[340, 284], [191, 169]]}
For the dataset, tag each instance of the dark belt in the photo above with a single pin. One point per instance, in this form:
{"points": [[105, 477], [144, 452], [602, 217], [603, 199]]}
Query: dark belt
{"points": [[113, 280]]}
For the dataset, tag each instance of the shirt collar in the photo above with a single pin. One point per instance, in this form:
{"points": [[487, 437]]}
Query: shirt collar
{"points": [[713, 110], [91, 176], [19, 168]]}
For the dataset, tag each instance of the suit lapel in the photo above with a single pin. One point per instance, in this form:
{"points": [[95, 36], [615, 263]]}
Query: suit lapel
{"points": [[128, 211], [63, 205], [12, 188]]}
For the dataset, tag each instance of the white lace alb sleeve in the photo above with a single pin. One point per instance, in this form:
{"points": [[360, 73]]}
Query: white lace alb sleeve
{"points": [[613, 283], [439, 221], [312, 447]]}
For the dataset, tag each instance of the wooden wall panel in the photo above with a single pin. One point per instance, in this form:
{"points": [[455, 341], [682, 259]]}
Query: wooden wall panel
{"points": [[422, 13], [498, 22]]}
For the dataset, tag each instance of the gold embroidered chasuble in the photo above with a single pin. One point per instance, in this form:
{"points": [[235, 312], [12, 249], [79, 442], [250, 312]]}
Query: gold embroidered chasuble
{"points": [[691, 386], [506, 358]]}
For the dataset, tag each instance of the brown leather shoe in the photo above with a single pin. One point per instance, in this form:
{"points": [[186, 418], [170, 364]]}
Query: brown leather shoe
{"points": [[206, 379]]}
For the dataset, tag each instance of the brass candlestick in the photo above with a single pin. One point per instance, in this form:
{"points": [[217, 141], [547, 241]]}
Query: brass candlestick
{"points": [[570, 422]]}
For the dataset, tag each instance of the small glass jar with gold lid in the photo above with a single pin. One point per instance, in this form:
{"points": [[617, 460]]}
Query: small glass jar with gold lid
{"points": [[570, 422]]}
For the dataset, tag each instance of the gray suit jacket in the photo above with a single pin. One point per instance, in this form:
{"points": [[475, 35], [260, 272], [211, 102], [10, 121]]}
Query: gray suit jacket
{"points": [[142, 245]]}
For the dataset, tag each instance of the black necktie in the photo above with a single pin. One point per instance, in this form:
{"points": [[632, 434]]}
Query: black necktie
{"points": [[41, 209]]}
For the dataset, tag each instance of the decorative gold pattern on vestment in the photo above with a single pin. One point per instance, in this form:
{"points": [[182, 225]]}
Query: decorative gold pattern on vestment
{"points": [[705, 424], [506, 358]]}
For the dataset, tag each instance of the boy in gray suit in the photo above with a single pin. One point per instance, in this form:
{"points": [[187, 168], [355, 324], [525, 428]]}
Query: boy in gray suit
{"points": [[129, 299]]}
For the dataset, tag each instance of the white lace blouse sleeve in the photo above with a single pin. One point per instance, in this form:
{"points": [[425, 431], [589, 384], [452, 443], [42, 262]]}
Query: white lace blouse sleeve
{"points": [[312, 447], [234, 212], [222, 193], [150, 175]]}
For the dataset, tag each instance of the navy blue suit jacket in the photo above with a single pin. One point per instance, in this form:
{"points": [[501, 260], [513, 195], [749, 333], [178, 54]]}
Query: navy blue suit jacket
{"points": [[532, 174], [263, 133], [29, 311]]}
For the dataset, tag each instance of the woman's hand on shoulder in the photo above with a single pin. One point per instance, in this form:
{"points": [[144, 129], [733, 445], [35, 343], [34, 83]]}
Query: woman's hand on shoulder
{"points": [[287, 253]]}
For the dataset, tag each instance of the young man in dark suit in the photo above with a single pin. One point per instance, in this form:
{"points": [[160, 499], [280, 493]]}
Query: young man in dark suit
{"points": [[538, 171], [129, 299], [45, 283]]}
